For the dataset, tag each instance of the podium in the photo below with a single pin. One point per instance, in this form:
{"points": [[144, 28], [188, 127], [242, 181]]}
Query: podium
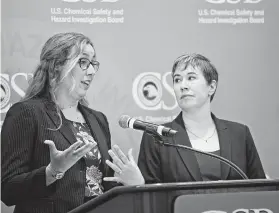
{"points": [[238, 196]]}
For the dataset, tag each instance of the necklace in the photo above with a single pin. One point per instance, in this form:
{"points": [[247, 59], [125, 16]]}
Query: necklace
{"points": [[68, 107], [201, 137]]}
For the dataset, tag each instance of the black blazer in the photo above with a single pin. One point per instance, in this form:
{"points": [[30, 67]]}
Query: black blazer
{"points": [[25, 157], [161, 164]]}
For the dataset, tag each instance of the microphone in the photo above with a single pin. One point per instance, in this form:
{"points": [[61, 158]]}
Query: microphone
{"points": [[126, 121], [156, 131]]}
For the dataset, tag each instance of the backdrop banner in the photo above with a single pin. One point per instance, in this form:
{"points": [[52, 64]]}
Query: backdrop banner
{"points": [[137, 42]]}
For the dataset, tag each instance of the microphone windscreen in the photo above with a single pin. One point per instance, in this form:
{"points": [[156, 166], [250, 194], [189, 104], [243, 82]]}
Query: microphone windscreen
{"points": [[124, 121]]}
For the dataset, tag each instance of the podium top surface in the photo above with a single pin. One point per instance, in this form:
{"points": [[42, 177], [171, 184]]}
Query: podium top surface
{"points": [[198, 185]]}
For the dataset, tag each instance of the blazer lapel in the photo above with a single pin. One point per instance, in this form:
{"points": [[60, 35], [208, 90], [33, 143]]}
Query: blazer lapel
{"points": [[188, 157], [97, 133], [225, 145], [65, 130]]}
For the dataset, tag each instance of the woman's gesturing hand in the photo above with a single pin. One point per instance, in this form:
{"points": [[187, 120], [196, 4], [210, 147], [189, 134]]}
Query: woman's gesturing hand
{"points": [[61, 161], [125, 168]]}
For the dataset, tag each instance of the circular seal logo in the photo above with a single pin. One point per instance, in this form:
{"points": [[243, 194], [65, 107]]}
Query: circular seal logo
{"points": [[5, 92], [150, 90]]}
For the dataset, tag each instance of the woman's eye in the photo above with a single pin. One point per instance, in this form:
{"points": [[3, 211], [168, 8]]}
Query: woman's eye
{"points": [[191, 77], [176, 80], [84, 62]]}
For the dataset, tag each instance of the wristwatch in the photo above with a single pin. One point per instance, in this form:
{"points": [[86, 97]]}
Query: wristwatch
{"points": [[55, 174]]}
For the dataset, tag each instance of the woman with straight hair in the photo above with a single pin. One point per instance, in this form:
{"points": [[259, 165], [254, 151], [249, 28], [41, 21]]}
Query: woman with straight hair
{"points": [[195, 81]]}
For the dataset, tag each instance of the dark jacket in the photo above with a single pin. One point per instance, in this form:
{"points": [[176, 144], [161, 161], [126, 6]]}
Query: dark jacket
{"points": [[161, 164], [25, 156]]}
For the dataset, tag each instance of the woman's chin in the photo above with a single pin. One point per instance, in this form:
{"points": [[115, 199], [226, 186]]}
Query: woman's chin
{"points": [[187, 105], [80, 94]]}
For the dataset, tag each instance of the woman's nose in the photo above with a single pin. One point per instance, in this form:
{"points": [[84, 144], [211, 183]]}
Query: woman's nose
{"points": [[184, 85], [91, 70]]}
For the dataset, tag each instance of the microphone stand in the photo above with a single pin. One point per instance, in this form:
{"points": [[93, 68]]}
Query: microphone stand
{"points": [[159, 140]]}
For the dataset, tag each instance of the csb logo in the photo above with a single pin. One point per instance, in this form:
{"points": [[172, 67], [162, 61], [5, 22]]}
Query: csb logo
{"points": [[12, 84], [233, 1], [242, 211], [5, 93], [148, 90], [90, 1]]}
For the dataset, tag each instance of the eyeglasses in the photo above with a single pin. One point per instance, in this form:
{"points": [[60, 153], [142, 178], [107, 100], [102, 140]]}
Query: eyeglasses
{"points": [[84, 64]]}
